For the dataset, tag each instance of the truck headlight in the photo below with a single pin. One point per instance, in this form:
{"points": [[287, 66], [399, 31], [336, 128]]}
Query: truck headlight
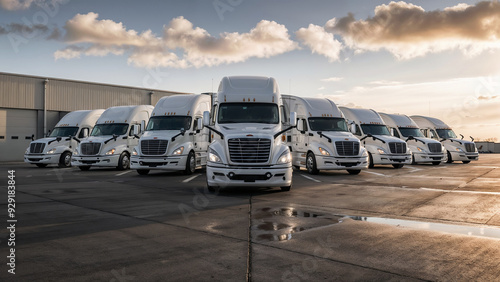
{"points": [[420, 149], [459, 150], [381, 151], [286, 157], [178, 151], [213, 156], [365, 153], [323, 151], [134, 152], [51, 151], [27, 151], [75, 152], [110, 152]]}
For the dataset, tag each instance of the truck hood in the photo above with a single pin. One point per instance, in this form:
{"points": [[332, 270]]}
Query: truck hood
{"points": [[386, 138], [245, 129], [54, 144], [99, 139], [160, 134], [340, 135]]}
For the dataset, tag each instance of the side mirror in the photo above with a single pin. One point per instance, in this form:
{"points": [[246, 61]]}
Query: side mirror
{"points": [[392, 131], [206, 118], [183, 131], [143, 125], [136, 129], [293, 119], [300, 126], [199, 124], [48, 134], [85, 132], [353, 128]]}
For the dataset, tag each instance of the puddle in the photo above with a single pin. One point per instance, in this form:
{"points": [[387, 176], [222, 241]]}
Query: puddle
{"points": [[489, 232], [279, 224]]}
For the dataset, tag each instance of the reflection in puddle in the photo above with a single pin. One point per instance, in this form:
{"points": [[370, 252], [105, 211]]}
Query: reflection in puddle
{"points": [[489, 232]]}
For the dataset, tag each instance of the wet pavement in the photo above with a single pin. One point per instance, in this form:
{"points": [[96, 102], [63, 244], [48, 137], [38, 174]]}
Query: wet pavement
{"points": [[420, 222]]}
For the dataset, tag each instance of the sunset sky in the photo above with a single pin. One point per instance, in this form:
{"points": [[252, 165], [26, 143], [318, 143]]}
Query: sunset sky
{"points": [[437, 58]]}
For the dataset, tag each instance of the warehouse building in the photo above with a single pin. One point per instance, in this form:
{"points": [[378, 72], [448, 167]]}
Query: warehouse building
{"points": [[30, 106]]}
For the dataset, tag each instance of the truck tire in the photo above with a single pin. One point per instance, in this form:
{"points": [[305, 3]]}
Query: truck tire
{"points": [[311, 163], [286, 188], [449, 160], [41, 165], [65, 159], [398, 165], [370, 161], [296, 167], [436, 163], [466, 162], [123, 161], [413, 162], [354, 171], [190, 163], [84, 168], [143, 171]]}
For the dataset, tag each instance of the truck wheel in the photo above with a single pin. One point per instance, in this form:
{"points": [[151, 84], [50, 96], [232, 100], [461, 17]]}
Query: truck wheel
{"points": [[143, 171], [370, 161], [41, 165], [190, 163], [466, 162], [296, 167], [398, 165], [65, 159], [413, 162], [84, 168], [123, 162], [354, 171], [449, 160], [311, 164], [436, 163], [286, 188]]}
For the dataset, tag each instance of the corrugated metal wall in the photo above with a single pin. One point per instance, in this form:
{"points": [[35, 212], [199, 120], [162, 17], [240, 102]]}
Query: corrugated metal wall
{"points": [[21, 92]]}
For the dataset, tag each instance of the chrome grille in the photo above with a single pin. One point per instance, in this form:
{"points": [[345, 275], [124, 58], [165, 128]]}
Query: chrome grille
{"points": [[347, 148], [36, 148], [434, 147], [397, 147], [470, 147], [249, 150], [90, 148], [154, 147]]}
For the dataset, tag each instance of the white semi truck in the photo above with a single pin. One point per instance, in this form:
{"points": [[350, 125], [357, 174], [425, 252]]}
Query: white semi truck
{"points": [[382, 148], [457, 149], [247, 123], [424, 150], [174, 138], [321, 140], [58, 147], [113, 138]]}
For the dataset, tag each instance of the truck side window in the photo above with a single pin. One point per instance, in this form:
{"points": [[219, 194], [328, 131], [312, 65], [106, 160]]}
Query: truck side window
{"points": [[358, 131], [195, 124], [304, 124], [424, 132], [81, 135], [396, 133], [433, 134], [213, 114]]}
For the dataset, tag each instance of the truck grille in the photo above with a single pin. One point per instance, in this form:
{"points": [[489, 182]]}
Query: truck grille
{"points": [[397, 147], [347, 148], [434, 147], [90, 148], [249, 150], [470, 147], [154, 147], [36, 148]]}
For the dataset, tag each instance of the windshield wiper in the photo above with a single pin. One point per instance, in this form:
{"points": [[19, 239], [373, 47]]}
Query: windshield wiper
{"points": [[57, 139], [374, 138], [444, 139], [324, 136], [112, 138], [413, 138], [216, 131]]}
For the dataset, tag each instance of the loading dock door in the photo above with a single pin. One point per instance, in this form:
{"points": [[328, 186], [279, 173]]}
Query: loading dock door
{"points": [[16, 128]]}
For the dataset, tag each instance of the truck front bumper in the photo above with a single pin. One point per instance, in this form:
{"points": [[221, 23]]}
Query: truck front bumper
{"points": [[461, 156], [336, 163], [99, 160], [234, 176], [42, 158], [158, 163], [391, 159], [427, 158]]}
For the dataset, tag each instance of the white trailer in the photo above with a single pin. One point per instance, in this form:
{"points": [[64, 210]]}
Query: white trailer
{"points": [[424, 150], [382, 148], [174, 138], [59, 146], [113, 138], [322, 140], [247, 122], [457, 149]]}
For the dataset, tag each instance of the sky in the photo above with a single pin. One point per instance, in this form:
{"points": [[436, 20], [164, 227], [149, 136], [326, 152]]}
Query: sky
{"points": [[434, 58]]}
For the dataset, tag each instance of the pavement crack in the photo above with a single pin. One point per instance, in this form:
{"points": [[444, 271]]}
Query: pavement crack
{"points": [[249, 254]]}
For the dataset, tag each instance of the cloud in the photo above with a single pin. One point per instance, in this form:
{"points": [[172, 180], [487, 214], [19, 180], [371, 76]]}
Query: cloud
{"points": [[385, 82], [12, 5], [30, 31], [487, 97], [320, 41], [408, 31], [180, 46], [332, 79]]}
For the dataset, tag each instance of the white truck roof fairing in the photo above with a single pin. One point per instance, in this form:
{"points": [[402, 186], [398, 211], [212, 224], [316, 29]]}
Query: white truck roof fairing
{"points": [[123, 114], [248, 89], [430, 122], [315, 107], [362, 116], [86, 118], [394, 120], [182, 105]]}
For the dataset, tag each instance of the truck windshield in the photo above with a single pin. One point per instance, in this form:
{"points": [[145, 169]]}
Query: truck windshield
{"points": [[109, 129], [248, 113], [64, 132], [169, 123], [410, 131], [446, 133], [375, 129], [327, 124]]}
